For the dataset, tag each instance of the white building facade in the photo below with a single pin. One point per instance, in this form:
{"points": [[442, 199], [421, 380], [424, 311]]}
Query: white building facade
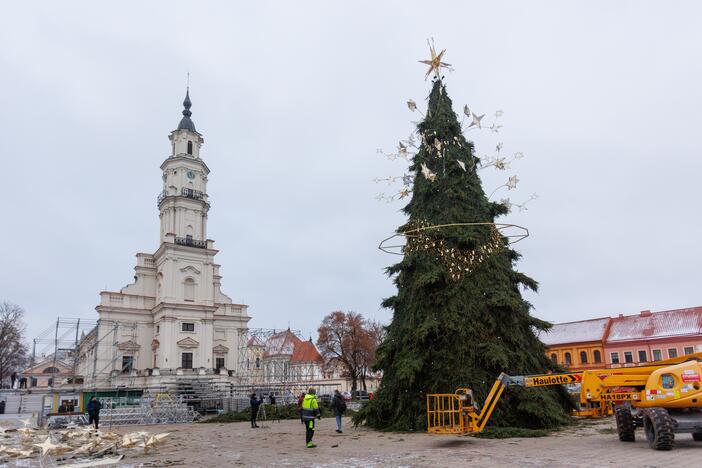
{"points": [[174, 319]]}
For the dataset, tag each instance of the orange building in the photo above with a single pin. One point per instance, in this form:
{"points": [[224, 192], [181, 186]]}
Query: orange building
{"points": [[653, 336], [577, 345], [626, 340]]}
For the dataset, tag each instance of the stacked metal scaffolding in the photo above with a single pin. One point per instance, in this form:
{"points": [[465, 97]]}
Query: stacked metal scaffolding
{"points": [[159, 410]]}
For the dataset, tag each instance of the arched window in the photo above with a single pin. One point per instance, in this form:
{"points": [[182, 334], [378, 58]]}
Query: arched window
{"points": [[554, 358], [598, 356], [190, 147], [258, 363], [583, 357], [189, 289], [50, 370], [568, 359]]}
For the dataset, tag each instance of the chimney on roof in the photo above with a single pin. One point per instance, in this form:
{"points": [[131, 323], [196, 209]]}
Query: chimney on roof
{"points": [[621, 315], [645, 313]]}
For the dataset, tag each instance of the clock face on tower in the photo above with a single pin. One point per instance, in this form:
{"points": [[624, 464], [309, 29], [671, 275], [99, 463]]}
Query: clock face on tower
{"points": [[191, 175]]}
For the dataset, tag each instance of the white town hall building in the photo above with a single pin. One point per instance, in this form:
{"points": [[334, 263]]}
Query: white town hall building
{"points": [[173, 320]]}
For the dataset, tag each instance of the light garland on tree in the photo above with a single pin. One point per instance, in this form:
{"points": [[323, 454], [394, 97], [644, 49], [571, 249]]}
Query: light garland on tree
{"points": [[457, 261]]}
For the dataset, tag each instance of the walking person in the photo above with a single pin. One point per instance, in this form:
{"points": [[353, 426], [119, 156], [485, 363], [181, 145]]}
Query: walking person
{"points": [[13, 379], [308, 413], [255, 403], [94, 407], [339, 406]]}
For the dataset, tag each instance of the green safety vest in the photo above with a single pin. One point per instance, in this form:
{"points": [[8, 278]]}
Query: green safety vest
{"points": [[310, 408]]}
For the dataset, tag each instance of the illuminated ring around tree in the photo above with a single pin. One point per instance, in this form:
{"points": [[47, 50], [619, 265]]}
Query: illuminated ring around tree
{"points": [[512, 232]]}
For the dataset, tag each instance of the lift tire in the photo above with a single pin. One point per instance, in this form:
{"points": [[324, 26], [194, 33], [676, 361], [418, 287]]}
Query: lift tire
{"points": [[659, 428], [625, 424], [697, 436]]}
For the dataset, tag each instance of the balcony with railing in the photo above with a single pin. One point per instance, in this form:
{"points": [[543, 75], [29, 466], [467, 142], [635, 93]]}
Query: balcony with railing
{"points": [[161, 196], [184, 192], [190, 193], [190, 242]]}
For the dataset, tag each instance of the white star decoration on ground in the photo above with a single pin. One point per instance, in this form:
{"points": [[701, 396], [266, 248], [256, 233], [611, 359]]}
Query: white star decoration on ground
{"points": [[46, 446]]}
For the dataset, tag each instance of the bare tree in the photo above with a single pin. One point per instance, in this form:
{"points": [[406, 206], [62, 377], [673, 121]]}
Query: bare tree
{"points": [[13, 351]]}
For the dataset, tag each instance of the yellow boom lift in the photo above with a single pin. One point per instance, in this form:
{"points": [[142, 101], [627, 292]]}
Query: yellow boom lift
{"points": [[664, 398], [458, 413]]}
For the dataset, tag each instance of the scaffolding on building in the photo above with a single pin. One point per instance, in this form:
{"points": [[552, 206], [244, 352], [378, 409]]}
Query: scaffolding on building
{"points": [[59, 343], [91, 348], [266, 373], [68, 340]]}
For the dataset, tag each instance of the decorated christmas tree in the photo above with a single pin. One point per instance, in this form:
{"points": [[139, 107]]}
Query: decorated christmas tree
{"points": [[459, 318]]}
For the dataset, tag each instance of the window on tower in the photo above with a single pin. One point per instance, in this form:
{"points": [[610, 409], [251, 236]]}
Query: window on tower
{"points": [[189, 290], [190, 147]]}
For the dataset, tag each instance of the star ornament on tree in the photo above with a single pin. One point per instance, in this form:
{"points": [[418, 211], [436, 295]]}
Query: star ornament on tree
{"points": [[427, 173], [512, 182], [435, 64]]}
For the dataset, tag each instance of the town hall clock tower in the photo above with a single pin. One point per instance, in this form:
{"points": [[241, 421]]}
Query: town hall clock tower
{"points": [[173, 320]]}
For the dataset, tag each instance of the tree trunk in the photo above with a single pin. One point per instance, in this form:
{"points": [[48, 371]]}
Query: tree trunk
{"points": [[354, 384]]}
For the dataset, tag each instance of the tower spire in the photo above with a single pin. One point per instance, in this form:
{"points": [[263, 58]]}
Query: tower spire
{"points": [[185, 122]]}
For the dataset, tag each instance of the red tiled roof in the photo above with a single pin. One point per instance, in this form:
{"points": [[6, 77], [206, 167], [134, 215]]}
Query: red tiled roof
{"points": [[281, 343], [646, 325], [253, 341], [306, 351]]}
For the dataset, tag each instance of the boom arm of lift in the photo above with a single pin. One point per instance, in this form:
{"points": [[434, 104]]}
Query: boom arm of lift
{"points": [[504, 380], [597, 385], [596, 382]]}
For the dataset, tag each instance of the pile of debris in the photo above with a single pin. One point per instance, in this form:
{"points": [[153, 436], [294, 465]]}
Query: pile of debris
{"points": [[75, 446]]}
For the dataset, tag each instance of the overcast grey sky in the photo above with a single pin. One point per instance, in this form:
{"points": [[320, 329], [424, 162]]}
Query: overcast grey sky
{"points": [[294, 98]]}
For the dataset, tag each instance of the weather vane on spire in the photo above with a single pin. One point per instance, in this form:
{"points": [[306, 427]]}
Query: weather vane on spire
{"points": [[435, 64]]}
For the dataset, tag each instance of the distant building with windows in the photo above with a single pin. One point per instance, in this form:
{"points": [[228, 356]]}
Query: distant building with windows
{"points": [[577, 345], [653, 336], [48, 372], [284, 357], [626, 340]]}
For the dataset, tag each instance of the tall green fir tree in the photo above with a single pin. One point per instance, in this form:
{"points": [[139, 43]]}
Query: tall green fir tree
{"points": [[459, 318]]}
